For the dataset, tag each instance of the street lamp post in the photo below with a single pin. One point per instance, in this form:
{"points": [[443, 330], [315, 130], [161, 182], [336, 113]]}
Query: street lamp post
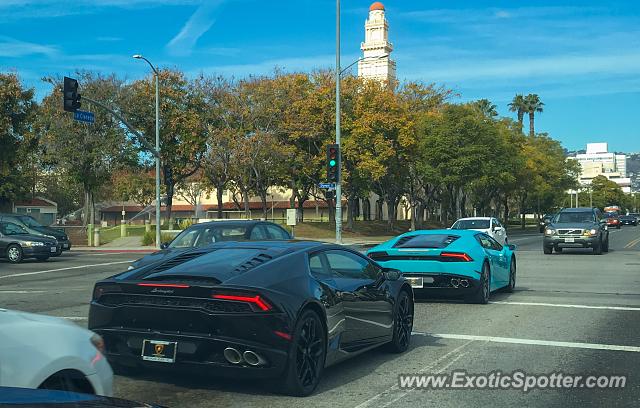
{"points": [[157, 152], [339, 182]]}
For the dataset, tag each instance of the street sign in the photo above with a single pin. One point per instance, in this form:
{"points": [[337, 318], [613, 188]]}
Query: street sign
{"points": [[329, 186], [83, 116]]}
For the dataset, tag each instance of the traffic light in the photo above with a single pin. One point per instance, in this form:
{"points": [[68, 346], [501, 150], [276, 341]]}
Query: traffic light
{"points": [[333, 163], [70, 95]]}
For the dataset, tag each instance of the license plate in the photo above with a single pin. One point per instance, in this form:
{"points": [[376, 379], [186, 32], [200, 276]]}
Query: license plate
{"points": [[65, 245], [569, 240], [419, 281], [159, 351], [53, 250]]}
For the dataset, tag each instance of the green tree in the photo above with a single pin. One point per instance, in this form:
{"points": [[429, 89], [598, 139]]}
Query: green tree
{"points": [[533, 105], [17, 141], [88, 154], [519, 106], [487, 108], [606, 192], [182, 140]]}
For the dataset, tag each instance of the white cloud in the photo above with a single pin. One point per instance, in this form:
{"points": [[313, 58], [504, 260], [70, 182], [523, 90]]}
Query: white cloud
{"points": [[10, 47], [199, 23]]}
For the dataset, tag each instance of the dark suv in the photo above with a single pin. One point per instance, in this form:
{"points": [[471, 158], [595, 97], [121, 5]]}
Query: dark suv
{"points": [[577, 228]]}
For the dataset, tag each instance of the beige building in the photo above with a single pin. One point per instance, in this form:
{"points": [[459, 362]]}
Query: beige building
{"points": [[598, 161]]}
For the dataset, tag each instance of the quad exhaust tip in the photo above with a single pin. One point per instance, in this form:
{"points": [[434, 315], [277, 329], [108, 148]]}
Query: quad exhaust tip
{"points": [[455, 282], [253, 359], [232, 355], [464, 283]]}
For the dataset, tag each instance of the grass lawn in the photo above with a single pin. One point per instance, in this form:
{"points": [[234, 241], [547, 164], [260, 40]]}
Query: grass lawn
{"points": [[361, 229]]}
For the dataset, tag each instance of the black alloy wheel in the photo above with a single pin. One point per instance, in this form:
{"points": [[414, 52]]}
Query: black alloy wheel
{"points": [[597, 248], [481, 296], [306, 357], [402, 324], [512, 277]]}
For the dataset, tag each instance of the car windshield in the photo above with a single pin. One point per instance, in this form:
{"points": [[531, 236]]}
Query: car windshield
{"points": [[201, 236], [29, 221], [471, 224], [574, 217]]}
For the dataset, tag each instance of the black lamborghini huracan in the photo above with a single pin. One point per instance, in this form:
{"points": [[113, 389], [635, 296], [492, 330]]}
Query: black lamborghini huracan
{"points": [[272, 309]]}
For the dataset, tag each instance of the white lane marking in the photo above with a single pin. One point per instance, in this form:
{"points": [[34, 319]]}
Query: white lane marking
{"points": [[438, 371], [511, 340], [75, 318], [63, 269], [21, 292], [629, 308], [371, 401]]}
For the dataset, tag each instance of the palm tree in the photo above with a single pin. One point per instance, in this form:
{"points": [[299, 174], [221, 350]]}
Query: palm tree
{"points": [[487, 108], [533, 104], [518, 105]]}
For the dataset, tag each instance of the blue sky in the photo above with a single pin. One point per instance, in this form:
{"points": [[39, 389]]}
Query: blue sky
{"points": [[583, 60]]}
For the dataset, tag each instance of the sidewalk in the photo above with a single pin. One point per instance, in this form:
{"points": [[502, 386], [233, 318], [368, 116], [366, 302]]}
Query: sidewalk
{"points": [[123, 244]]}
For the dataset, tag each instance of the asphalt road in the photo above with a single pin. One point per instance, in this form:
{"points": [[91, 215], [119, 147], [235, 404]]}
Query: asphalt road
{"points": [[573, 312]]}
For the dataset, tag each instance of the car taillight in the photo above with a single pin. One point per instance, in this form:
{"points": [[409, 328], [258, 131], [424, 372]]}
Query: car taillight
{"points": [[455, 257], [101, 289], [256, 301]]}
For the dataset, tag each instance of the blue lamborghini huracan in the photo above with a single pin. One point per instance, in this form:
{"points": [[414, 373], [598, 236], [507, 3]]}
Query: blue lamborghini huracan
{"points": [[461, 263]]}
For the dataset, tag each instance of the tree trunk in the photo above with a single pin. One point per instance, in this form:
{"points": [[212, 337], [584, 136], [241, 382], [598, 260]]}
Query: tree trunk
{"points": [[532, 129], [505, 203], [366, 209], [219, 192], [245, 200], [520, 118], [523, 211], [263, 199], [351, 203], [379, 206]]}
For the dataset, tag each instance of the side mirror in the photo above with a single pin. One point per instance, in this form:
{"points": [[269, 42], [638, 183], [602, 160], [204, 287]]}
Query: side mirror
{"points": [[164, 245], [391, 274], [512, 247]]}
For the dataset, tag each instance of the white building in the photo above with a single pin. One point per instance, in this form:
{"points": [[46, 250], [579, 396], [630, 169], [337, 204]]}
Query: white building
{"points": [[598, 161], [376, 62]]}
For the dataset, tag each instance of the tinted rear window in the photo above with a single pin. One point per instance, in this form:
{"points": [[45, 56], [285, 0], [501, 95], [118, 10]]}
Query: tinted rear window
{"points": [[471, 224], [425, 241], [568, 217]]}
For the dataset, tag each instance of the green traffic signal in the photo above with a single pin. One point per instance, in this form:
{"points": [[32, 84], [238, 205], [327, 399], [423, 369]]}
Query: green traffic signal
{"points": [[332, 163]]}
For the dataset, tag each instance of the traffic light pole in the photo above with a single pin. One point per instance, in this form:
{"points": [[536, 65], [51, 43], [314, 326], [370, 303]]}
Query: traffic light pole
{"points": [[338, 183]]}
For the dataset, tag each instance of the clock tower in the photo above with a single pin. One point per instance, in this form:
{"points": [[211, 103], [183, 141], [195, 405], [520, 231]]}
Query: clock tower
{"points": [[376, 62]]}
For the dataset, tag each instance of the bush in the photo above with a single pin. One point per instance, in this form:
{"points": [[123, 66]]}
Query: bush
{"points": [[184, 224], [149, 238]]}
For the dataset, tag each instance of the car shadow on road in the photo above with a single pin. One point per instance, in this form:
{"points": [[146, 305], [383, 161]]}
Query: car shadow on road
{"points": [[336, 376]]}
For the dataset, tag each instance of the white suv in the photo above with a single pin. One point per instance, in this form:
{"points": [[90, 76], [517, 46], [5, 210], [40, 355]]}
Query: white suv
{"points": [[38, 351], [489, 225]]}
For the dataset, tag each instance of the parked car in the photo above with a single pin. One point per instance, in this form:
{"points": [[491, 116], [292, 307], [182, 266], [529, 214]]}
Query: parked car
{"points": [[35, 228], [581, 227], [489, 225], [17, 244], [41, 398], [544, 221], [628, 220], [207, 233], [613, 220], [460, 263], [279, 310], [38, 351]]}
